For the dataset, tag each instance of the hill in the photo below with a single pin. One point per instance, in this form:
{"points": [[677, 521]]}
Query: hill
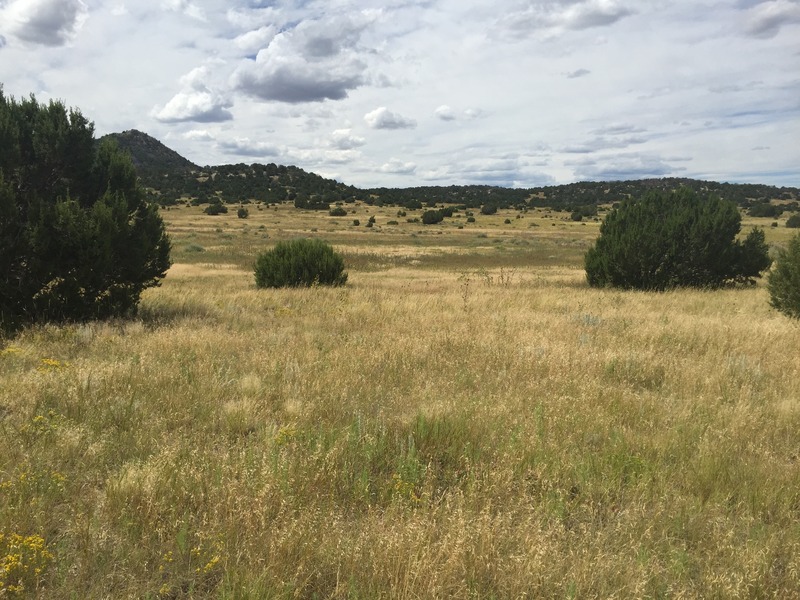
{"points": [[150, 155], [169, 178]]}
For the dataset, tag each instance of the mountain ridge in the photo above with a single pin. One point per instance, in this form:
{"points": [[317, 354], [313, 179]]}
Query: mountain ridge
{"points": [[169, 177]]}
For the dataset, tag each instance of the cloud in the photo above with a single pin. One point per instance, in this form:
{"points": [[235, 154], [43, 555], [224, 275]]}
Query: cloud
{"points": [[343, 139], [185, 7], [45, 22], [594, 13], [622, 167], [246, 147], [583, 14], [766, 19], [445, 113], [578, 73], [195, 102], [255, 40], [317, 60], [604, 143], [198, 135], [398, 167], [383, 118]]}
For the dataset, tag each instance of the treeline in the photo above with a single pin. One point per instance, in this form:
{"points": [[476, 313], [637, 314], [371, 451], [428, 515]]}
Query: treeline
{"points": [[169, 178]]}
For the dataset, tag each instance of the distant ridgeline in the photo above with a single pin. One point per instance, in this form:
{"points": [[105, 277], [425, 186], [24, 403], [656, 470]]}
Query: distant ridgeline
{"points": [[170, 178]]}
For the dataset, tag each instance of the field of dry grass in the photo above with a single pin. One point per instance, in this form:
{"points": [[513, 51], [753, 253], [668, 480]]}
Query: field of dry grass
{"points": [[465, 418]]}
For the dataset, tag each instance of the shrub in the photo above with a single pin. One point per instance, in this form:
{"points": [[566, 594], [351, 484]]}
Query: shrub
{"points": [[338, 211], [577, 216], [470, 219], [78, 239], [431, 217], [215, 208], [666, 240], [242, 213], [356, 222], [488, 209], [783, 282], [765, 209], [300, 263], [793, 221]]}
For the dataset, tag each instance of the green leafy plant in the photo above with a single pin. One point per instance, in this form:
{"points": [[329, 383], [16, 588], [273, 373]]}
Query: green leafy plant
{"points": [[300, 263], [78, 238], [783, 282], [338, 211], [242, 213], [431, 217], [216, 208], [793, 221], [667, 240]]}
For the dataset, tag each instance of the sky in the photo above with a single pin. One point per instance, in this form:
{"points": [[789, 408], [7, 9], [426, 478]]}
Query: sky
{"points": [[400, 93]]}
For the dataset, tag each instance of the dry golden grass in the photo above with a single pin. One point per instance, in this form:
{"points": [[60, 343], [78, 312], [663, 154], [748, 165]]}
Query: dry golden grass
{"points": [[466, 418]]}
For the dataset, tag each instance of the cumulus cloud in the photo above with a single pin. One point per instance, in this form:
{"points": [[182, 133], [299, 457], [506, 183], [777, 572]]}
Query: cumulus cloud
{"points": [[190, 9], [343, 139], [623, 166], [578, 73], [198, 135], [317, 60], [445, 113], [398, 167], [583, 14], [767, 18], [45, 22], [255, 40], [244, 146], [196, 102], [383, 118]]}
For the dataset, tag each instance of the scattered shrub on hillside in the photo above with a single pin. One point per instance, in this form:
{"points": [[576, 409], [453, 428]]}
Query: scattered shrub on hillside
{"points": [[431, 217], [215, 208], [764, 209], [78, 239], [666, 240], [793, 221], [300, 263], [356, 222], [488, 209], [242, 213], [371, 220], [338, 211], [577, 216], [470, 219], [507, 221], [784, 280]]}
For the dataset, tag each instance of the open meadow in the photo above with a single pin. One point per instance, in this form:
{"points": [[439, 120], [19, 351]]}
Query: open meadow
{"points": [[466, 418]]}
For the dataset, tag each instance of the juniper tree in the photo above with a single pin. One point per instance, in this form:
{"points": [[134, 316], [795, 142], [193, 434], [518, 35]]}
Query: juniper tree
{"points": [[666, 240], [78, 239]]}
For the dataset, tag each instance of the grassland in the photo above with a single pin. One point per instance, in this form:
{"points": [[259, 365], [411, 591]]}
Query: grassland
{"points": [[466, 418]]}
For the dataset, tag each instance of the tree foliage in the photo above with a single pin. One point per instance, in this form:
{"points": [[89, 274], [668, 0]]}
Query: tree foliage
{"points": [[665, 240], [431, 217], [78, 239], [300, 263], [784, 280]]}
